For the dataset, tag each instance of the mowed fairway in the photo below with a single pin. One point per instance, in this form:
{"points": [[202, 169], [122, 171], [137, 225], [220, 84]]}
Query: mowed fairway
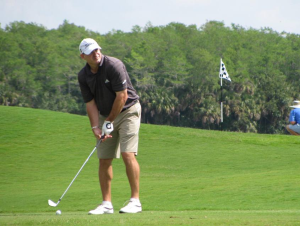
{"points": [[188, 176]]}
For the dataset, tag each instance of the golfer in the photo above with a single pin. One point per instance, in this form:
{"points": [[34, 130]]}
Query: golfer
{"points": [[294, 126], [114, 111]]}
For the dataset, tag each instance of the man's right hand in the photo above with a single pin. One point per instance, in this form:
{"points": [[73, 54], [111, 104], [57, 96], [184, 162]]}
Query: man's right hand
{"points": [[98, 134]]}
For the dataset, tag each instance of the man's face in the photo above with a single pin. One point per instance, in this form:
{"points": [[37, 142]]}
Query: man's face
{"points": [[93, 58]]}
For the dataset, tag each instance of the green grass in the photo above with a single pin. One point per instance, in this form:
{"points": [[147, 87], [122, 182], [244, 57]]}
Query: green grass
{"points": [[158, 218], [188, 176]]}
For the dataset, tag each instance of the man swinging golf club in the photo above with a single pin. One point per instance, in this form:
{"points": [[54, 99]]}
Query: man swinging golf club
{"points": [[114, 111]]}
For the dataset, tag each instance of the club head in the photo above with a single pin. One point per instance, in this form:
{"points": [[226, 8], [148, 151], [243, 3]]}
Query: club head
{"points": [[51, 203]]}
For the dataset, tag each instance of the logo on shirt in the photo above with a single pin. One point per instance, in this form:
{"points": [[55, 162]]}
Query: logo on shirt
{"points": [[124, 82], [106, 81]]}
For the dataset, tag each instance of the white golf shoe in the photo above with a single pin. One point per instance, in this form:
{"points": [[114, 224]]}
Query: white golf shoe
{"points": [[132, 207], [102, 209]]}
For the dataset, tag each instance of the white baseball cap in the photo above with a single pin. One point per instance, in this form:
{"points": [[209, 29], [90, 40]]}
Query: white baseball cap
{"points": [[88, 45], [296, 104]]}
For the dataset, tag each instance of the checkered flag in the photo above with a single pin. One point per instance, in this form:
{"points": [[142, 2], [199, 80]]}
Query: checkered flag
{"points": [[223, 72]]}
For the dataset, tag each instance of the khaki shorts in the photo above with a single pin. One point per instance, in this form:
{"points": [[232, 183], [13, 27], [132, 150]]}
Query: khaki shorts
{"points": [[125, 136]]}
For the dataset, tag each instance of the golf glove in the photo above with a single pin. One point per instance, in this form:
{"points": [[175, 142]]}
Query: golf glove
{"points": [[107, 128]]}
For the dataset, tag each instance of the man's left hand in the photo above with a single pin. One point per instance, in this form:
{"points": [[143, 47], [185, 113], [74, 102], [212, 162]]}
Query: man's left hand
{"points": [[107, 128]]}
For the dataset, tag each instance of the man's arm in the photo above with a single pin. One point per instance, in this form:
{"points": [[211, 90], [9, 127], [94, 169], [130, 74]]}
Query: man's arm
{"points": [[292, 117], [121, 98], [93, 114]]}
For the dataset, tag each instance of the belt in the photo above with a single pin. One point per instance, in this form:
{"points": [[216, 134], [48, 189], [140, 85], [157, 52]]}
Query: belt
{"points": [[133, 103]]}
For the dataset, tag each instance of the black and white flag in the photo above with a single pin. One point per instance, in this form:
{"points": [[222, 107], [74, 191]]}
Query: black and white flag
{"points": [[223, 72]]}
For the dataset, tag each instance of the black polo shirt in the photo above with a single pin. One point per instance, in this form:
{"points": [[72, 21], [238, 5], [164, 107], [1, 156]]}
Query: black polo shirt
{"points": [[111, 77]]}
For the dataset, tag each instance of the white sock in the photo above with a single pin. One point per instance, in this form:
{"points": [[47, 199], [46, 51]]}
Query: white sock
{"points": [[107, 203], [135, 200]]}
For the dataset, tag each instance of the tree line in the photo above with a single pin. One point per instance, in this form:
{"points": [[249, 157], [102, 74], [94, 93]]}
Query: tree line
{"points": [[174, 69]]}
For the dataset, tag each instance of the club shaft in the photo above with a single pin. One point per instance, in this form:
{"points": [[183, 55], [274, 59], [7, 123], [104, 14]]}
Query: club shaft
{"points": [[80, 170]]}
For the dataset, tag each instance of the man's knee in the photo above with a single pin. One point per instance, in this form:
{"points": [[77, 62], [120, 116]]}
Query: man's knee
{"points": [[128, 156], [105, 163], [291, 131], [129, 159]]}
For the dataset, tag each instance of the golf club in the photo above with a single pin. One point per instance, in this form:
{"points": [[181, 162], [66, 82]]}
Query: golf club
{"points": [[53, 204]]}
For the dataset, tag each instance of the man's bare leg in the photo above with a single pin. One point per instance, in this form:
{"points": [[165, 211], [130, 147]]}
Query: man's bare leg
{"points": [[105, 178], [133, 173]]}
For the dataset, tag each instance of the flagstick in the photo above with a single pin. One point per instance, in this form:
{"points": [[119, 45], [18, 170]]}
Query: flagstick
{"points": [[221, 74], [221, 104]]}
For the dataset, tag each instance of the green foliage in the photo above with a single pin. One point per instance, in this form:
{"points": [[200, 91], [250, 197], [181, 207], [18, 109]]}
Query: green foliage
{"points": [[174, 69]]}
